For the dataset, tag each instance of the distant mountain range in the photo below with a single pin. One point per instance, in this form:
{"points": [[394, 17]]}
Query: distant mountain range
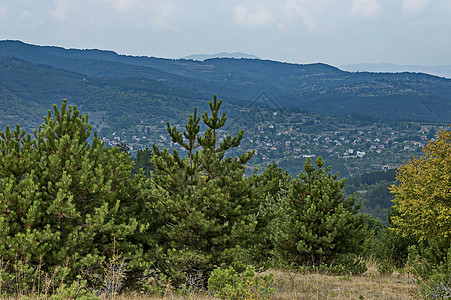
{"points": [[124, 87], [203, 57], [442, 71]]}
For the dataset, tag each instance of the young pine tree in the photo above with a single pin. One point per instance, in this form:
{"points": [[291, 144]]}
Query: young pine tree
{"points": [[144, 161], [314, 224], [66, 201], [207, 212]]}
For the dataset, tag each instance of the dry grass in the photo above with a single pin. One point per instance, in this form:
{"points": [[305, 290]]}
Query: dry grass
{"points": [[319, 286], [292, 285]]}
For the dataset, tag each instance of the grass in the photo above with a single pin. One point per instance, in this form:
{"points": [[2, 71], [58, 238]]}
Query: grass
{"points": [[292, 285], [295, 285], [320, 286]]}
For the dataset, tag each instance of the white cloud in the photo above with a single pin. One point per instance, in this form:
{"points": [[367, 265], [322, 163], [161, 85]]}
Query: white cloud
{"points": [[412, 7], [122, 6], [285, 15], [258, 17], [164, 18], [157, 14], [369, 9], [60, 12], [299, 8]]}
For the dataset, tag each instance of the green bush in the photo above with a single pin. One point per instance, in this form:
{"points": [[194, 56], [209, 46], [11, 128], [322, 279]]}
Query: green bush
{"points": [[434, 280], [228, 284], [28, 282], [385, 267], [348, 263]]}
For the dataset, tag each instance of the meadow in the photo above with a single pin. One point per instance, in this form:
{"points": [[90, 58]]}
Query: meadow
{"points": [[294, 285]]}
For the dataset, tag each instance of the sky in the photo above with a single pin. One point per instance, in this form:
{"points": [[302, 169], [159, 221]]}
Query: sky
{"points": [[336, 32]]}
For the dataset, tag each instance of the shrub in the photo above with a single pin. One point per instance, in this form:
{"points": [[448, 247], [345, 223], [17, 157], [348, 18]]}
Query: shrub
{"points": [[228, 284], [434, 280]]}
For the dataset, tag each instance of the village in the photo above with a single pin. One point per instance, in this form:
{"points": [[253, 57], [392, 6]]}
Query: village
{"points": [[351, 146]]}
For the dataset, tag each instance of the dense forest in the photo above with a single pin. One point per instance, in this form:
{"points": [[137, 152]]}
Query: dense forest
{"points": [[72, 207]]}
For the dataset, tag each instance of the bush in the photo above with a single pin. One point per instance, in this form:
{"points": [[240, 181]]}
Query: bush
{"points": [[439, 288], [28, 282], [385, 267], [228, 284], [434, 280], [348, 263]]}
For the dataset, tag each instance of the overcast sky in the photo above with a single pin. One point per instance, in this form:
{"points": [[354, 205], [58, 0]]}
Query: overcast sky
{"points": [[336, 32]]}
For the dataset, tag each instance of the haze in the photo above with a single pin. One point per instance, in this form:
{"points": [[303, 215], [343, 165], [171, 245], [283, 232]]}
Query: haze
{"points": [[303, 31]]}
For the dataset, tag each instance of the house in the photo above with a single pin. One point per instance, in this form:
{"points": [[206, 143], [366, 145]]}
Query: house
{"points": [[360, 153]]}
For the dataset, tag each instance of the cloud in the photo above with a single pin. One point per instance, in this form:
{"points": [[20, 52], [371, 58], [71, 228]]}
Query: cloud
{"points": [[412, 7], [286, 15], [259, 17], [164, 19], [156, 14], [122, 6], [60, 12], [293, 9], [368, 9]]}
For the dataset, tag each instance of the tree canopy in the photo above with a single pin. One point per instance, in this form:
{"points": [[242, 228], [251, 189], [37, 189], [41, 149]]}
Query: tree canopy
{"points": [[205, 203], [423, 196], [65, 199], [314, 223]]}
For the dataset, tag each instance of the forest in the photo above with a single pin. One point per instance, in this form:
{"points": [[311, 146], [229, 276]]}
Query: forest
{"points": [[102, 223]]}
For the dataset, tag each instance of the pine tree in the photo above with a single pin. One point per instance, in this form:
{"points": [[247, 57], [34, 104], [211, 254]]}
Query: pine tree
{"points": [[143, 161], [314, 223], [66, 200], [206, 206], [267, 186]]}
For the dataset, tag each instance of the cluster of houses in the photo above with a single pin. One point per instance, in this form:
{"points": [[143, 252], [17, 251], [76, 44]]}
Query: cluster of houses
{"points": [[297, 137]]}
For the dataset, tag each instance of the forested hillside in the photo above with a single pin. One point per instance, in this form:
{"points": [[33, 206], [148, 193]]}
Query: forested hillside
{"points": [[316, 87]]}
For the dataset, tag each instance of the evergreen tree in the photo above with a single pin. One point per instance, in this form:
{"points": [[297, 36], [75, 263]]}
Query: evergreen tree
{"points": [[65, 201], [123, 147], [143, 161], [314, 223], [267, 186], [206, 209]]}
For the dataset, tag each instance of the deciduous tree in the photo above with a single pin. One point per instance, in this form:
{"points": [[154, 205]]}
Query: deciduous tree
{"points": [[423, 196]]}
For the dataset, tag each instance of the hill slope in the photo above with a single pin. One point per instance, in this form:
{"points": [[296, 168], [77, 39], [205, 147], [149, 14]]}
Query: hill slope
{"points": [[316, 87], [442, 71], [27, 91]]}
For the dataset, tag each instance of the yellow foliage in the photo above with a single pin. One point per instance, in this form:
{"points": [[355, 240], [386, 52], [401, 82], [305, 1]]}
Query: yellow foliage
{"points": [[423, 196]]}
